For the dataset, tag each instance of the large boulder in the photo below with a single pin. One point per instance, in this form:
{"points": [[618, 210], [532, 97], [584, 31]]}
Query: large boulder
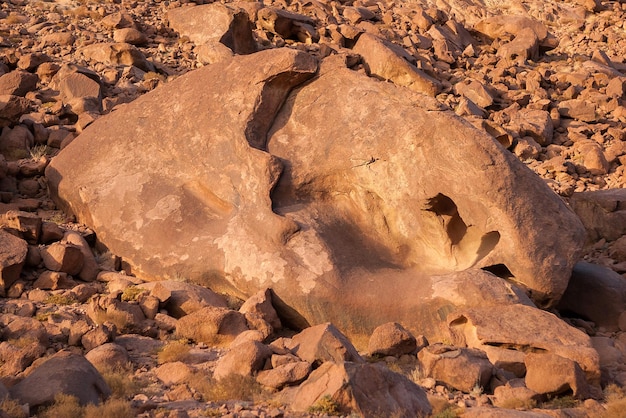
{"points": [[66, 373], [366, 389], [385, 188]]}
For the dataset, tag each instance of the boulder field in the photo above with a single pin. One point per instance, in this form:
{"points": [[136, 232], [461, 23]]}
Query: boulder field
{"points": [[285, 208]]}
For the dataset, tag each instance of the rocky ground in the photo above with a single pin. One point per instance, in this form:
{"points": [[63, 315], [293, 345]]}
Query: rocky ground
{"points": [[550, 88]]}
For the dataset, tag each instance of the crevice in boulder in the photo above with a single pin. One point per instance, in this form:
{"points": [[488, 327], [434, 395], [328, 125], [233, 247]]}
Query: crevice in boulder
{"points": [[268, 105], [499, 270], [445, 208], [524, 348]]}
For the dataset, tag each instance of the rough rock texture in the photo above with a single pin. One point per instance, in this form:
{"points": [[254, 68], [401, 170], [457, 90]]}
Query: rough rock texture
{"points": [[460, 368], [211, 23], [12, 257], [506, 333], [63, 373], [552, 374], [342, 223], [595, 293], [367, 389]]}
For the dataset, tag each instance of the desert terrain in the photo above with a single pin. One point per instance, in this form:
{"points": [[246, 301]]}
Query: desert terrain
{"points": [[301, 208]]}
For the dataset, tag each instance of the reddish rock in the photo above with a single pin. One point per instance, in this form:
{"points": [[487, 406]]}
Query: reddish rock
{"points": [[244, 360], [11, 108], [552, 374], [210, 324], [602, 212], [390, 62], [13, 252], [64, 257], [18, 83], [90, 269], [362, 388], [391, 339], [98, 336], [173, 373], [288, 374], [595, 293], [130, 36], [261, 305], [66, 373], [182, 298], [324, 342], [109, 356], [116, 54], [460, 368], [212, 23]]}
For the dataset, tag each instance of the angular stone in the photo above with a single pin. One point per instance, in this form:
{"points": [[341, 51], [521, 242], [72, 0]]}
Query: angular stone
{"points": [[63, 257], [535, 123], [362, 388], [324, 342], [602, 212], [66, 373], [118, 20], [287, 374], [215, 22], [98, 336], [390, 62], [11, 108], [90, 269], [182, 298], [28, 224], [391, 339], [18, 83], [261, 305], [460, 368], [476, 92], [13, 252], [499, 330], [287, 24], [244, 360], [210, 324], [129, 36], [595, 293], [577, 109], [116, 54], [552, 374]]}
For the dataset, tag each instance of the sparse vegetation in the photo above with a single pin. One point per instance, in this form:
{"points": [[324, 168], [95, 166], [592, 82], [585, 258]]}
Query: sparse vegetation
{"points": [[615, 397], [560, 402], [60, 299], [516, 403], [112, 408], [442, 408], [324, 405], [174, 351], [132, 292], [64, 406], [13, 408], [118, 318], [67, 406], [121, 382], [39, 151], [231, 387]]}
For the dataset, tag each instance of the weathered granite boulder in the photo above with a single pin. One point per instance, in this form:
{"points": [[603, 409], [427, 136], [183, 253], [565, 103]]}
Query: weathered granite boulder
{"points": [[386, 193]]}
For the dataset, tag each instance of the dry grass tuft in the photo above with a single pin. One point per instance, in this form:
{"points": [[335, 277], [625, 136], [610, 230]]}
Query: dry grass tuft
{"points": [[234, 386], [112, 408], [64, 406], [174, 351], [120, 319], [516, 403], [13, 408], [121, 382]]}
